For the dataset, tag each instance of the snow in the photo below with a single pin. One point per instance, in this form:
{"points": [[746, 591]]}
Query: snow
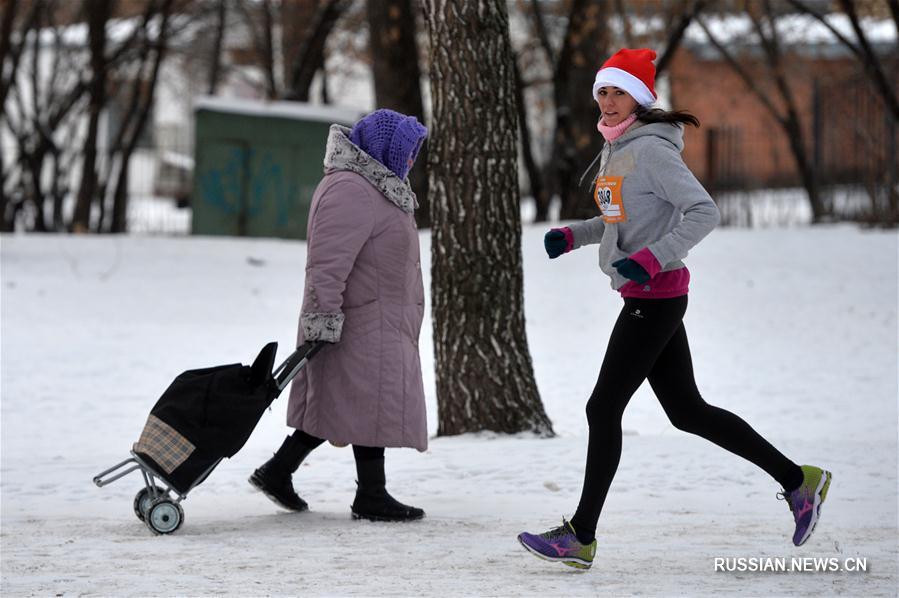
{"points": [[793, 28], [117, 31], [177, 159], [293, 110], [793, 329]]}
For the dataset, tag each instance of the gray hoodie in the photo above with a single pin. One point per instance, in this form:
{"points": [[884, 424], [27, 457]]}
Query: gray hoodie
{"points": [[667, 210]]}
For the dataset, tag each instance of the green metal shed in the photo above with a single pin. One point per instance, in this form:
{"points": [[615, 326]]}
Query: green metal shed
{"points": [[257, 165]]}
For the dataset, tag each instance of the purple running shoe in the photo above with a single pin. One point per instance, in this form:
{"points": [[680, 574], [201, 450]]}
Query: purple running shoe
{"points": [[806, 500], [561, 545]]}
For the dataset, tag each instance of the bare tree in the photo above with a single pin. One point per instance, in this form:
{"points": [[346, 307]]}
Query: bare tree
{"points": [[142, 102], [534, 172], [311, 55], [485, 379], [41, 127], [894, 11], [626, 31], [97, 14], [676, 34], [260, 22], [10, 54], [215, 61], [541, 32], [46, 113], [540, 191], [397, 77], [882, 181], [870, 61], [115, 149], [576, 142], [788, 118]]}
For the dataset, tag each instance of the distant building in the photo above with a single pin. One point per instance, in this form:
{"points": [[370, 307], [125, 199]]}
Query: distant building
{"points": [[847, 130]]}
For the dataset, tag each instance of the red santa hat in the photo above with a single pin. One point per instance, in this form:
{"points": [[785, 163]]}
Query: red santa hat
{"points": [[632, 71]]}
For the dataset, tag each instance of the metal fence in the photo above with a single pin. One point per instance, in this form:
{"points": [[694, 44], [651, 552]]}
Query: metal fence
{"points": [[159, 184], [852, 149]]}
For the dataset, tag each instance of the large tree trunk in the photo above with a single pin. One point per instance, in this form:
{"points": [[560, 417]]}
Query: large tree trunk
{"points": [[394, 52], [98, 14], [576, 141], [485, 380]]}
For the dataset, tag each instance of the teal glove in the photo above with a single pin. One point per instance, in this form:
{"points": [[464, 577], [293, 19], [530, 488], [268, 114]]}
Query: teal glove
{"points": [[631, 270]]}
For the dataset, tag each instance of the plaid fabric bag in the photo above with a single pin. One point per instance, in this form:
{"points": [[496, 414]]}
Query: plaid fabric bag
{"points": [[163, 444]]}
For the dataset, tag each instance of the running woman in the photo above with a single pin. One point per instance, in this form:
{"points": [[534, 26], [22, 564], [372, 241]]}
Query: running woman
{"points": [[653, 212]]}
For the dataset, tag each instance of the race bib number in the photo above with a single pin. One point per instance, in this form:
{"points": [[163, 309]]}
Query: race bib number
{"points": [[608, 199]]}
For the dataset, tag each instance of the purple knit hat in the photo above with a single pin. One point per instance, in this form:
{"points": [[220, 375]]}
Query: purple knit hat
{"points": [[391, 138]]}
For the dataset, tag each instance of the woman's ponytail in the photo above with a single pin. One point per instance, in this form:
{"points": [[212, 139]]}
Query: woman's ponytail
{"points": [[673, 117]]}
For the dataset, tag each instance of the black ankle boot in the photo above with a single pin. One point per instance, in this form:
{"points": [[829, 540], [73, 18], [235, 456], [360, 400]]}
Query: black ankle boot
{"points": [[373, 502], [273, 478]]}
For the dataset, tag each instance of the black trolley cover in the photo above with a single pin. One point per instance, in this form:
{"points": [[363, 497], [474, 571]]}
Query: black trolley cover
{"points": [[207, 414]]}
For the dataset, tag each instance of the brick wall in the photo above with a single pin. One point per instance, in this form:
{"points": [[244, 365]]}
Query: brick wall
{"points": [[750, 149]]}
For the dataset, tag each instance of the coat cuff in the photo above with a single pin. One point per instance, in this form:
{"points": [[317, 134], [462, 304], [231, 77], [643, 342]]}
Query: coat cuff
{"points": [[322, 327], [647, 261], [569, 238]]}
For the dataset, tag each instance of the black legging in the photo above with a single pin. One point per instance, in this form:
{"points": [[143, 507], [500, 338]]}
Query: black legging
{"points": [[361, 453], [649, 341]]}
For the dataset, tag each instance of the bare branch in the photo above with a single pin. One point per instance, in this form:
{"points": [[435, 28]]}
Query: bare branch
{"points": [[542, 35], [35, 70], [262, 43], [863, 51], [894, 10], [871, 62], [625, 23], [772, 47], [677, 34], [121, 190], [530, 163], [741, 72], [312, 51], [268, 48], [216, 61], [9, 15], [129, 115], [13, 51], [801, 7], [57, 54]]}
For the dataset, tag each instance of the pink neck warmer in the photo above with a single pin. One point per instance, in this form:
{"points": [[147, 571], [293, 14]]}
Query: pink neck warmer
{"points": [[612, 133]]}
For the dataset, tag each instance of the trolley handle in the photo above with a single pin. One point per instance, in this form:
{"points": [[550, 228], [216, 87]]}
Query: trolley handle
{"points": [[286, 372]]}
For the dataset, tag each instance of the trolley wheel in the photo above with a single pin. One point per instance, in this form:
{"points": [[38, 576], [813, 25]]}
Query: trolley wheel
{"points": [[144, 499], [165, 516]]}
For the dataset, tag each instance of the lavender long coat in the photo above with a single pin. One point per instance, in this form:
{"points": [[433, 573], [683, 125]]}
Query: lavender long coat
{"points": [[364, 293]]}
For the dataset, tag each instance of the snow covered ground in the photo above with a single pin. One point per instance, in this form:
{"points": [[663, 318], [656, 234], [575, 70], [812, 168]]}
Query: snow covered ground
{"points": [[795, 330]]}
